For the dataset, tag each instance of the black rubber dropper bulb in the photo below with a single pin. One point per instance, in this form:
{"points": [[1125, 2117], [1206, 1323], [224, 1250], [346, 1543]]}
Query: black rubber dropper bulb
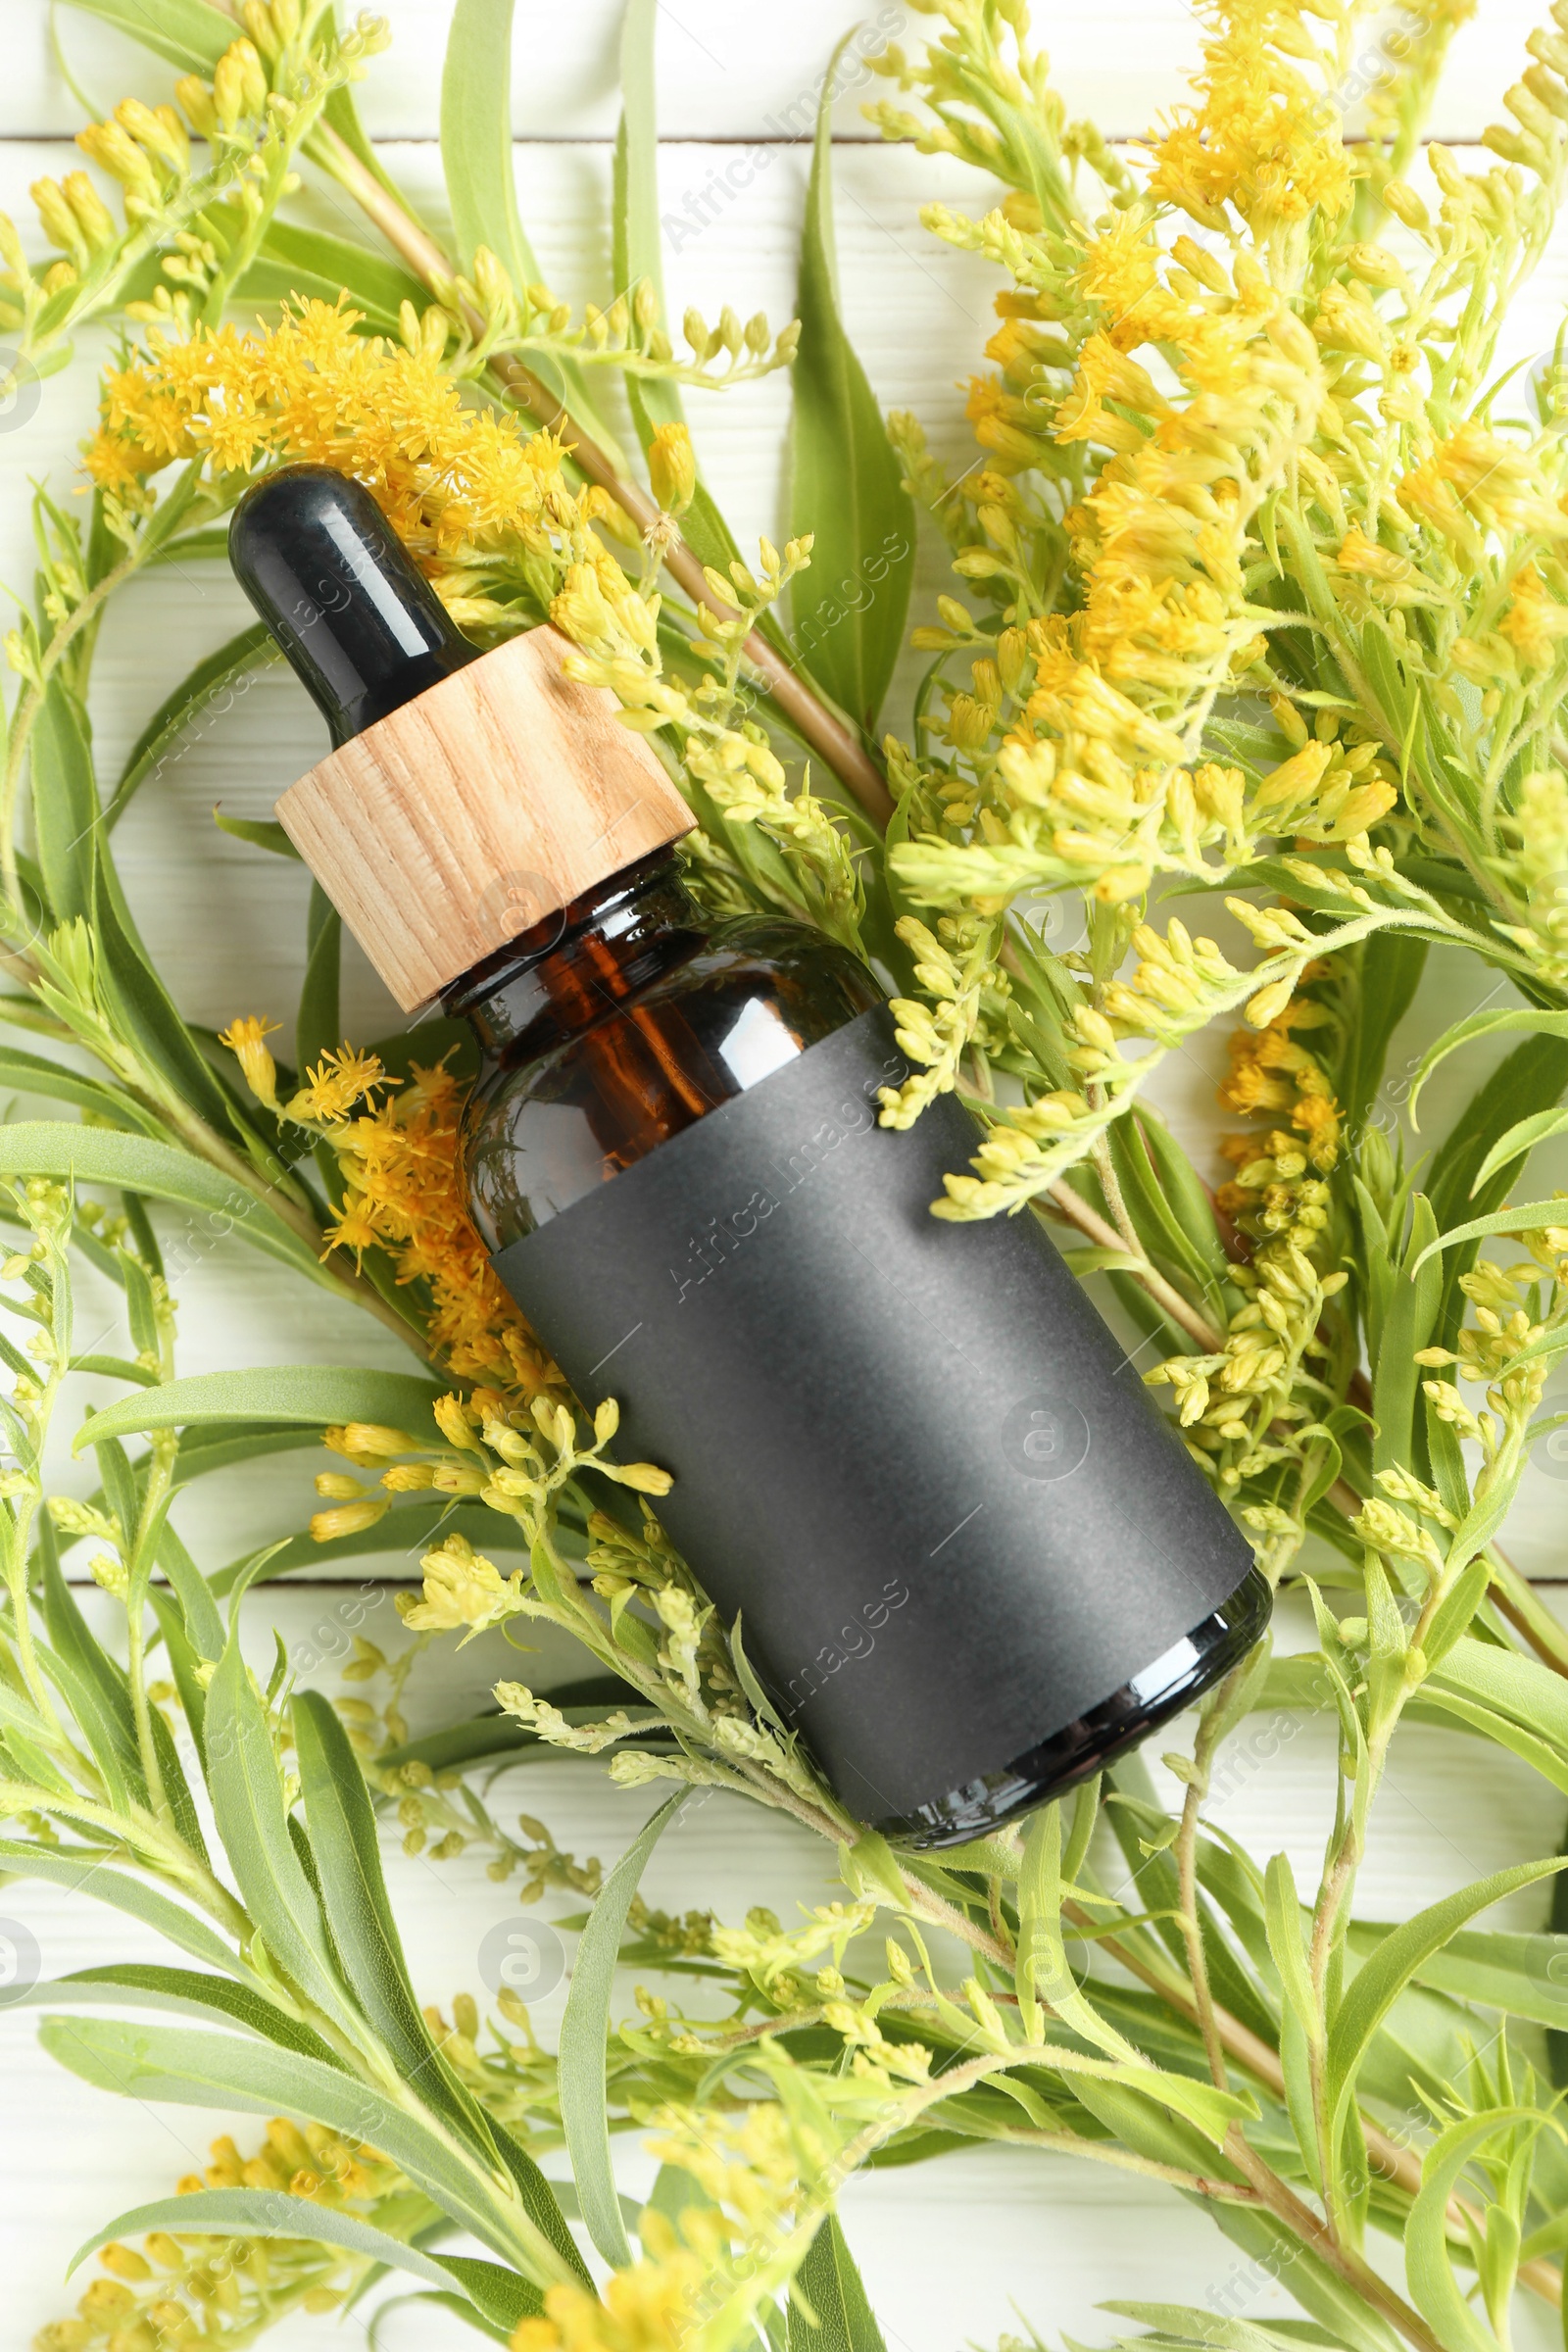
{"points": [[362, 627]]}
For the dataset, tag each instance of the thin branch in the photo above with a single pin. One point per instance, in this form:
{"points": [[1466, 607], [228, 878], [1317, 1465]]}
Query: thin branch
{"points": [[1076, 1211], [826, 734]]}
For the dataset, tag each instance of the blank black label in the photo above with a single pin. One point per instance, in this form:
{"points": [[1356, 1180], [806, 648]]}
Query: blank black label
{"points": [[908, 1453]]}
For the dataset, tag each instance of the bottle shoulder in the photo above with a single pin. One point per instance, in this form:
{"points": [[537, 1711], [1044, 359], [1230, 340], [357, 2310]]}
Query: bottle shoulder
{"points": [[721, 1014]]}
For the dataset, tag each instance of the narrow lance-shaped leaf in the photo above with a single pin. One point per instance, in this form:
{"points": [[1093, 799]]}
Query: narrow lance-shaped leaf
{"points": [[64, 803], [1428, 2259], [266, 2213], [847, 484], [187, 32], [209, 686], [245, 1784], [96, 1155], [1524, 1136], [476, 159], [147, 1985], [342, 1828], [1533, 1216], [829, 2312], [1498, 1022], [88, 1875], [311, 1396], [169, 2064], [1375, 1987], [584, 2032]]}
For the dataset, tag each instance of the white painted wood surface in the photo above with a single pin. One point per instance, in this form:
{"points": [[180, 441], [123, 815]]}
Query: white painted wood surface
{"points": [[952, 2251]]}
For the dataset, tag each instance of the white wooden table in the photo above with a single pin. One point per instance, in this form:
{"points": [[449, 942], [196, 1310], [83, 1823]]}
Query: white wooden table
{"points": [[951, 2251]]}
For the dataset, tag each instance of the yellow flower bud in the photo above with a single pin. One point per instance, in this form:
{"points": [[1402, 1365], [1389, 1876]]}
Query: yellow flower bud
{"points": [[239, 84], [673, 468], [59, 222], [350, 1519], [244, 1039], [197, 100], [96, 221], [1269, 1003], [124, 2263], [335, 1485], [1406, 204], [159, 131], [367, 1441], [642, 1477]]}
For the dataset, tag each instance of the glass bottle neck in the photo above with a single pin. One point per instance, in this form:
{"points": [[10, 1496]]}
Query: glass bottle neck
{"points": [[566, 972]]}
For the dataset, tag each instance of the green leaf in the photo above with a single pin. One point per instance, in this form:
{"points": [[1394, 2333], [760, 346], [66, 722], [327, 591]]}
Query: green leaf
{"points": [[1497, 1022], [318, 1028], [144, 1985], [481, 190], [1183, 2324], [638, 246], [353, 1892], [846, 482], [499, 2295], [204, 1450], [1408, 1324], [1520, 1139], [144, 1015], [1525, 1975], [170, 2064], [828, 2285], [267, 2212], [187, 32], [198, 690], [1509, 1683], [1377, 1985], [262, 834], [183, 1665], [87, 1875], [245, 1782], [584, 2033], [313, 1396], [64, 803], [96, 1155], [1429, 2266], [1388, 972], [34, 1075], [95, 1686], [316, 266], [1532, 1217], [1283, 1919], [203, 1624]]}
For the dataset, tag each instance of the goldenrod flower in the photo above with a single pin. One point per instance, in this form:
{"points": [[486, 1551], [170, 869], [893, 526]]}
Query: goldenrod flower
{"points": [[462, 1587], [673, 468], [337, 1083], [246, 1040], [348, 1519]]}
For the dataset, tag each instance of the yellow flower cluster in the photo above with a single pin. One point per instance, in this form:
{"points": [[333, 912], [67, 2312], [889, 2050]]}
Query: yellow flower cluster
{"points": [[1261, 139], [401, 1163], [180, 2289], [1272, 1072], [455, 481]]}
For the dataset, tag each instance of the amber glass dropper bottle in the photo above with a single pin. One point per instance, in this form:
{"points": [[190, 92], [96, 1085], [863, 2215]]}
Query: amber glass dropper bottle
{"points": [[971, 1561]]}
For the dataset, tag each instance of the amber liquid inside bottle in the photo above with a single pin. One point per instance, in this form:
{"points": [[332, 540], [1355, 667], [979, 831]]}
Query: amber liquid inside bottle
{"points": [[623, 1020]]}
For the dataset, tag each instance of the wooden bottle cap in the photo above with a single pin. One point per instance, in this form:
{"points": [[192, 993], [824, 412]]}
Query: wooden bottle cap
{"points": [[470, 813]]}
